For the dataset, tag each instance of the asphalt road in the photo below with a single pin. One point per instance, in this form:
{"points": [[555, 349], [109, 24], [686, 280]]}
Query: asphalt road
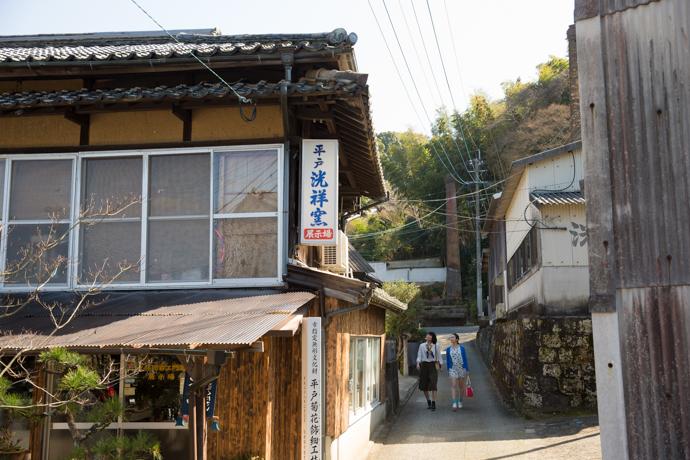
{"points": [[483, 428]]}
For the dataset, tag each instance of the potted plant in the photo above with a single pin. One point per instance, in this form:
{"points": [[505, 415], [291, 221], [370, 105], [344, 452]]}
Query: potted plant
{"points": [[12, 406]]}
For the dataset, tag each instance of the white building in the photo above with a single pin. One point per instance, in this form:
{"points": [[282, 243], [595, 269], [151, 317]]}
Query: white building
{"points": [[538, 241]]}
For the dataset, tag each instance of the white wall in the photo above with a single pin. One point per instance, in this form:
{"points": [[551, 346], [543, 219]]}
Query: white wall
{"points": [[557, 248], [566, 287], [410, 275], [527, 290], [556, 173], [516, 226], [356, 441]]}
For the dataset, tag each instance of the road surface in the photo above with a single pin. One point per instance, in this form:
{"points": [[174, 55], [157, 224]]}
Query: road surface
{"points": [[483, 428]]}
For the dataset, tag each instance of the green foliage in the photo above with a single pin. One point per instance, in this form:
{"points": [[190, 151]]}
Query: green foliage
{"points": [[108, 410], [79, 380], [12, 405], [405, 292], [405, 324], [63, 357], [142, 446]]}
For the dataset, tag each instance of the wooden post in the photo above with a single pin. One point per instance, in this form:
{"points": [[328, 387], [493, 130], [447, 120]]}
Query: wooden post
{"points": [[453, 277]]}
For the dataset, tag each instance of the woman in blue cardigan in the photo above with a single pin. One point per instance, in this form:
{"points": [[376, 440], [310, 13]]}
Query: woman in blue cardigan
{"points": [[458, 370]]}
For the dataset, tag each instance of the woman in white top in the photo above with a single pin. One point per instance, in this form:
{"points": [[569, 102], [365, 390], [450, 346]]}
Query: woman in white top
{"points": [[428, 364]]}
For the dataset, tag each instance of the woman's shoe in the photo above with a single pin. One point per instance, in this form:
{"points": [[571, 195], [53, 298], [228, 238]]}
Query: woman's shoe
{"points": [[455, 406], [433, 406], [459, 404]]}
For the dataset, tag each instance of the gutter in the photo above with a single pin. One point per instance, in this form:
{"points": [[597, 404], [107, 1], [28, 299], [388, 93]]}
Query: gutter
{"points": [[262, 58]]}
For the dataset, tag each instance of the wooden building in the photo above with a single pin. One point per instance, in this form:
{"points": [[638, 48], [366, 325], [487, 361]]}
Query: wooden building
{"points": [[220, 285]]}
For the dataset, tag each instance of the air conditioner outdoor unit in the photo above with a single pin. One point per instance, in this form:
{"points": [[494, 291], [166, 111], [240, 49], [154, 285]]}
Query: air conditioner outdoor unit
{"points": [[335, 258]]}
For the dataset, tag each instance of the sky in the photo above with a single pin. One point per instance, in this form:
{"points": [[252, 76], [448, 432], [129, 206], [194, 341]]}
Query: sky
{"points": [[482, 43]]}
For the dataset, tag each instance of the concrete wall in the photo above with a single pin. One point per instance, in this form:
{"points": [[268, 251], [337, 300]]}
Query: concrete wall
{"points": [[559, 247], [355, 442], [411, 275], [542, 364]]}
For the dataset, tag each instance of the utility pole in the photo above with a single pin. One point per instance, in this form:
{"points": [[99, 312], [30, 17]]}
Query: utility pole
{"points": [[453, 276], [477, 163]]}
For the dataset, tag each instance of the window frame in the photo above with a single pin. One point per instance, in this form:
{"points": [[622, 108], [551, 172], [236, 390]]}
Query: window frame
{"points": [[369, 405], [74, 240]]}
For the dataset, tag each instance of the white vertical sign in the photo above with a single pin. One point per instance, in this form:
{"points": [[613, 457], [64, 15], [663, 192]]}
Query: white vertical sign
{"points": [[319, 223], [312, 385]]}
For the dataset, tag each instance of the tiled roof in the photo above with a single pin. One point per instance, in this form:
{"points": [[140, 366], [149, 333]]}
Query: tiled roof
{"points": [[147, 46], [557, 198], [85, 97]]}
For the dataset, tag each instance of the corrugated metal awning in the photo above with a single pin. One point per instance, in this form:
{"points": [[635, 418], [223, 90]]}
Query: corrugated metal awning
{"points": [[156, 320], [557, 198]]}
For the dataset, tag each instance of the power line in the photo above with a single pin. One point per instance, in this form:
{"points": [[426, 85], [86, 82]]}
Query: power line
{"points": [[407, 92], [241, 98], [428, 60], [445, 73], [414, 85]]}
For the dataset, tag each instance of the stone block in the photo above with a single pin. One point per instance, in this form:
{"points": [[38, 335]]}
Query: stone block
{"points": [[533, 400], [572, 386], [551, 340], [548, 384], [565, 355], [547, 355], [530, 384], [552, 370]]}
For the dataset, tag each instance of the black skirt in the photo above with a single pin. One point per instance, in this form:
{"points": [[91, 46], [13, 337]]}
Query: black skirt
{"points": [[428, 376]]}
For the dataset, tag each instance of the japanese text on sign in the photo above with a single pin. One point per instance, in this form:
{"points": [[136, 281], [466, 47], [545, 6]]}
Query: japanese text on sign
{"points": [[312, 403], [319, 192]]}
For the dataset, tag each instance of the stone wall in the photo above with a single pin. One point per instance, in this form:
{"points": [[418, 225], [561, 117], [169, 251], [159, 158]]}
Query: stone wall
{"points": [[542, 364]]}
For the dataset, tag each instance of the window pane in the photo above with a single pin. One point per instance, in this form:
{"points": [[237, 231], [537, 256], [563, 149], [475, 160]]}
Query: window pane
{"points": [[246, 182], [374, 369], [178, 250], [360, 377], [179, 185], [37, 254], [246, 248], [154, 394], [111, 183], [106, 247], [41, 189]]}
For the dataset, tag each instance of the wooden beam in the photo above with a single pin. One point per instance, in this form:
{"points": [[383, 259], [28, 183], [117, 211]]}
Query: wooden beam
{"points": [[84, 123], [185, 116], [140, 146]]}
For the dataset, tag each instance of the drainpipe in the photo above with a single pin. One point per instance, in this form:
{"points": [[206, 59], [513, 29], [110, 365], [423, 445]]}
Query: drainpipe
{"points": [[288, 60]]}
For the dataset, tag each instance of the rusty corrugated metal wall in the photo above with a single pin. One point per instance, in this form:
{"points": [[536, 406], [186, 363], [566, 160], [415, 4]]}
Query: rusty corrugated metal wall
{"points": [[634, 72]]}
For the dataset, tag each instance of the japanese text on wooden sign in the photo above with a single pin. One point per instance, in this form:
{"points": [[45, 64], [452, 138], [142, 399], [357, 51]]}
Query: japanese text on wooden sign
{"points": [[319, 224], [312, 402]]}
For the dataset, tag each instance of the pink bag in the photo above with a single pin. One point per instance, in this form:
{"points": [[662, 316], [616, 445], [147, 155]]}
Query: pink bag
{"points": [[469, 392]]}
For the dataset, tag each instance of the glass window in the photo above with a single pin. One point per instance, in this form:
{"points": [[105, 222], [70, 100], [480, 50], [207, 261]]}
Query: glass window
{"points": [[246, 248], [178, 250], [110, 236], [245, 215], [111, 184], [365, 372], [110, 252], [179, 185], [178, 229], [207, 216], [153, 394], [246, 182], [41, 189], [37, 254], [38, 233]]}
